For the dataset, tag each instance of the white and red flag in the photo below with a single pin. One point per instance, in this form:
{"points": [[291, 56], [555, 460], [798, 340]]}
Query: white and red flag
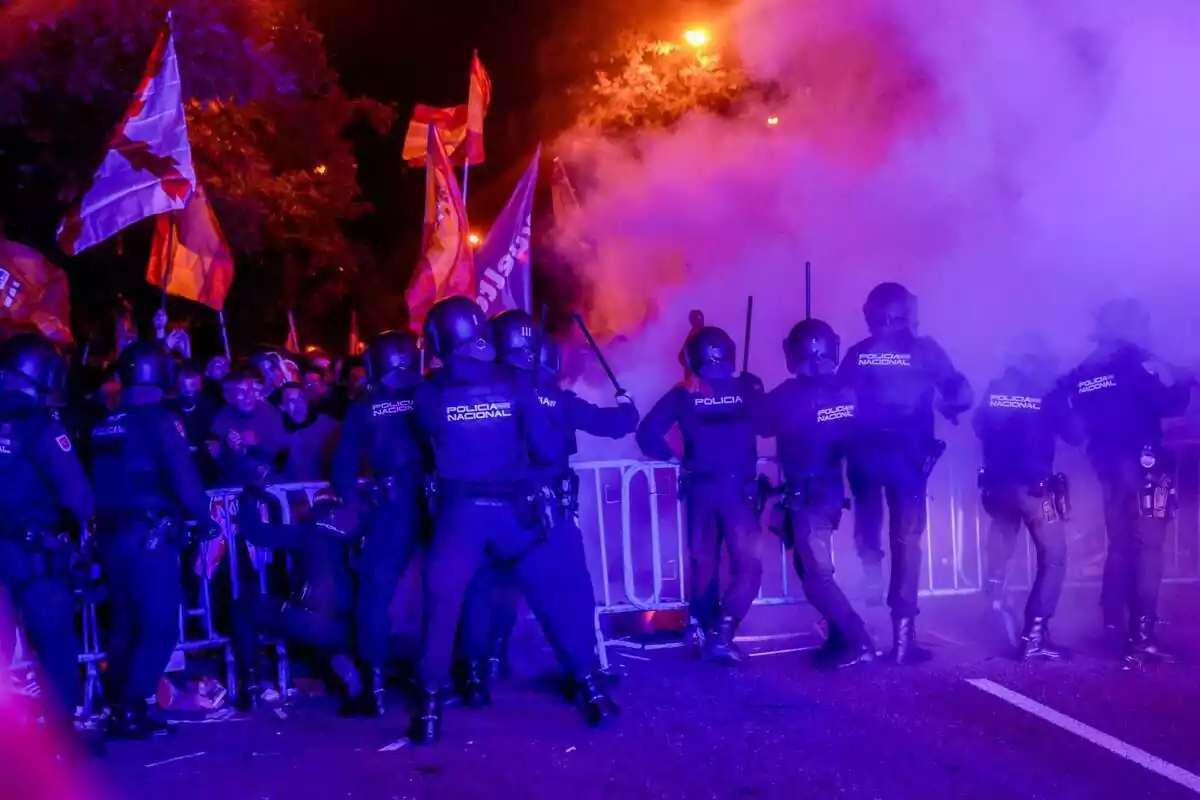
{"points": [[147, 169]]}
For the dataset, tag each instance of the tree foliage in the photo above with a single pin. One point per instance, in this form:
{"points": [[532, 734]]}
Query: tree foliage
{"points": [[267, 122]]}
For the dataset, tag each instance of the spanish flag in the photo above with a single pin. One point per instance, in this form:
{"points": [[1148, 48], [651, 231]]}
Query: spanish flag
{"points": [[447, 266], [189, 256], [460, 127]]}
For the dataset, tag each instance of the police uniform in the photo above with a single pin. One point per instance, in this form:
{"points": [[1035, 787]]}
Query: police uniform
{"points": [[483, 424], [720, 463], [811, 416], [490, 611], [44, 493], [895, 375], [147, 493], [1122, 403], [1018, 420], [380, 432]]}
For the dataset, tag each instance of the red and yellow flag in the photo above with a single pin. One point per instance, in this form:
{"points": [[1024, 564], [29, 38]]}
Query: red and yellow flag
{"points": [[460, 127], [447, 265], [190, 257], [34, 292]]}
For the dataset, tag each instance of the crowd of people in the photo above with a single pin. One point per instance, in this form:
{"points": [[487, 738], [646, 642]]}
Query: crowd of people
{"points": [[467, 457]]}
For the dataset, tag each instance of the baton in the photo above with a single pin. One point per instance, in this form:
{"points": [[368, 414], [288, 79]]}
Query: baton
{"points": [[746, 341], [596, 349]]}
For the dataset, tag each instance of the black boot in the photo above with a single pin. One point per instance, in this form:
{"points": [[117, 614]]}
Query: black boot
{"points": [[472, 685], [719, 646], [841, 651], [693, 637], [374, 695], [426, 725], [247, 694], [132, 721], [1036, 644], [905, 650], [594, 703], [351, 678], [1143, 644]]}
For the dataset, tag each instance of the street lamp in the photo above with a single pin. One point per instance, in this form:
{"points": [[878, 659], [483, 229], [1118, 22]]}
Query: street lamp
{"points": [[696, 37], [772, 121], [474, 240]]}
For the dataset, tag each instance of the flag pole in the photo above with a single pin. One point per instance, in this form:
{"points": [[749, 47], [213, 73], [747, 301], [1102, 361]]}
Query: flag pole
{"points": [[465, 152], [170, 259], [224, 335], [292, 330]]}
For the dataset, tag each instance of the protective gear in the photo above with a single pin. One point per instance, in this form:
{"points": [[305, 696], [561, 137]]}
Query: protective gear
{"points": [[392, 352], [549, 359], [145, 364], [35, 357], [719, 644], [1036, 644], [711, 354], [1122, 321], [457, 326], [905, 649], [516, 339], [811, 348], [1143, 644], [890, 308]]}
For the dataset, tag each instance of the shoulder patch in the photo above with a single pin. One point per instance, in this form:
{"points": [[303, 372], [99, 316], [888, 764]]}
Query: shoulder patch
{"points": [[64, 443]]}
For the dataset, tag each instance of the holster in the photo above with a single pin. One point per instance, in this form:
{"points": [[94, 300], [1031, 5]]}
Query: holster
{"points": [[157, 529], [50, 552], [1159, 498]]}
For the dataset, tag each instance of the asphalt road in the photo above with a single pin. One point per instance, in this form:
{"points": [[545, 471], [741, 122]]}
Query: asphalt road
{"points": [[771, 729]]}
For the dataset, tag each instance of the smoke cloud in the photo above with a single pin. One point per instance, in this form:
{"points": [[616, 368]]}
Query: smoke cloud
{"points": [[1013, 162]]}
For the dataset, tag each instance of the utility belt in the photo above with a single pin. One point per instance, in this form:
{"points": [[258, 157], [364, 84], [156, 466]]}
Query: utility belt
{"points": [[1053, 491], [392, 488], [925, 453], [556, 501], [521, 496], [157, 529], [1158, 498], [810, 493], [750, 489], [50, 551]]}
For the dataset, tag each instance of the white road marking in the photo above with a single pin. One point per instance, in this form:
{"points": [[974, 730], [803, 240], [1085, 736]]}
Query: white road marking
{"points": [[396, 745], [177, 758], [1176, 774], [781, 652], [631, 655]]}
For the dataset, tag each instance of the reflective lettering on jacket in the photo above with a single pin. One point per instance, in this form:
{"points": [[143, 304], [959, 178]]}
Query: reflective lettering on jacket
{"points": [[1015, 401], [1095, 384], [726, 400], [389, 407], [885, 359], [479, 411], [831, 413]]}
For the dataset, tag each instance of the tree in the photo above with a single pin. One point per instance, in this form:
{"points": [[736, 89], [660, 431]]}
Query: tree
{"points": [[267, 121]]}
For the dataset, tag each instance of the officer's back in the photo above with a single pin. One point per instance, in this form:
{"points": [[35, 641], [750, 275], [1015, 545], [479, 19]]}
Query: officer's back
{"points": [[812, 420]]}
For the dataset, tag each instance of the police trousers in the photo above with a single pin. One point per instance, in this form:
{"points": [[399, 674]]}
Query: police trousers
{"points": [[721, 511], [391, 538], [490, 609], [891, 473], [470, 532], [1133, 568], [326, 631], [1011, 507], [144, 593], [47, 608], [812, 536]]}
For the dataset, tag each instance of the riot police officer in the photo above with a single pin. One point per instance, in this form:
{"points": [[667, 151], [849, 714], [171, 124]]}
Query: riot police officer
{"points": [[489, 613], [720, 462], [1021, 414], [812, 418], [149, 504], [380, 431], [894, 374], [1122, 393], [44, 492], [484, 425]]}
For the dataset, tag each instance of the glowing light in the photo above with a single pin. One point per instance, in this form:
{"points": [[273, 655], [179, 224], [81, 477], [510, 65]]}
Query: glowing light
{"points": [[772, 121], [474, 240], [319, 169], [696, 37]]}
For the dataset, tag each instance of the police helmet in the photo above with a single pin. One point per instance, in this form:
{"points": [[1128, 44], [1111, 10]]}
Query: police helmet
{"points": [[456, 326], [549, 358], [890, 308], [1122, 321], [809, 345], [36, 358], [391, 352], [711, 353], [516, 339], [145, 364]]}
